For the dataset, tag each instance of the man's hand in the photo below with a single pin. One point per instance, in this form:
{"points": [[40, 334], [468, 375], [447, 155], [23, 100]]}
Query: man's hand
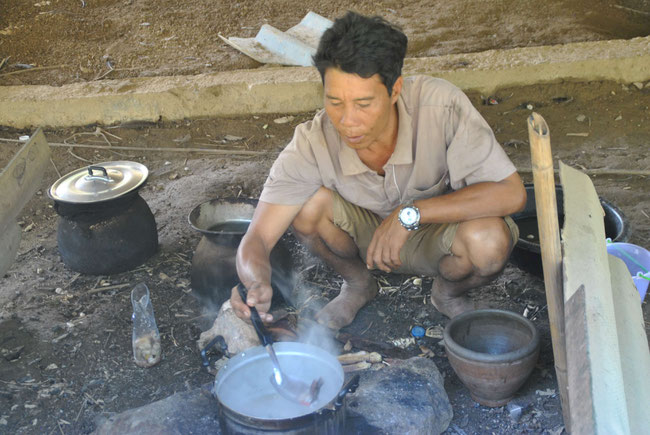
{"points": [[386, 244], [259, 296]]}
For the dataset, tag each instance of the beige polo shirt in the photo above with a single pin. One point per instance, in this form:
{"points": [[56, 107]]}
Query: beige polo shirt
{"points": [[443, 143]]}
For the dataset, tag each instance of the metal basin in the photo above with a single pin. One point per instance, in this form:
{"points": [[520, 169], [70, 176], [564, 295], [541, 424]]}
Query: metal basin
{"points": [[527, 253], [493, 352]]}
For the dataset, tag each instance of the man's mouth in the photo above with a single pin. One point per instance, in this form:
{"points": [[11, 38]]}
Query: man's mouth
{"points": [[354, 139]]}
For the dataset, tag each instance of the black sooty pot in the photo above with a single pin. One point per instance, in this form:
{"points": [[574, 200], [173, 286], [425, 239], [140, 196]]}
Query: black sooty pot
{"points": [[223, 223], [105, 226]]}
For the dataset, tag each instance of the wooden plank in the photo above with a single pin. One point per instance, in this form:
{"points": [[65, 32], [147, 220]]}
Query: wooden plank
{"points": [[10, 234], [579, 375], [19, 180], [634, 352], [586, 266]]}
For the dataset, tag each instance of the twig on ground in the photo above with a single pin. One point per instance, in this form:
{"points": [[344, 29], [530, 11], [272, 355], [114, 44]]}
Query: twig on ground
{"points": [[107, 338], [55, 168], [83, 403], [74, 278], [176, 301], [183, 259], [4, 61], [154, 149], [77, 157], [200, 316], [636, 11], [110, 287], [104, 74], [366, 330], [38, 68], [99, 132]]}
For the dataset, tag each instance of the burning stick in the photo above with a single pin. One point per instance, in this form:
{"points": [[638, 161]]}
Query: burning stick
{"points": [[362, 356], [358, 366]]}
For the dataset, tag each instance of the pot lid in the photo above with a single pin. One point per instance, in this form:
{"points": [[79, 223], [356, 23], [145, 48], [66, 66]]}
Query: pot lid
{"points": [[99, 182]]}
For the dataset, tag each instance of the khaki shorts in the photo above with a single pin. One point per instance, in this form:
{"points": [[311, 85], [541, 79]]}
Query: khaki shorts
{"points": [[424, 248]]}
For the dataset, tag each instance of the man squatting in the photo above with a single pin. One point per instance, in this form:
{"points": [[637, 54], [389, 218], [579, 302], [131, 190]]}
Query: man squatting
{"points": [[397, 174]]}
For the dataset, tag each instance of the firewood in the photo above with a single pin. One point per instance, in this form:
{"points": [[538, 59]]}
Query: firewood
{"points": [[362, 356]]}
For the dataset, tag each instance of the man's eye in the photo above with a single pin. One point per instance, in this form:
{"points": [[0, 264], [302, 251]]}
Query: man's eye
{"points": [[363, 106]]}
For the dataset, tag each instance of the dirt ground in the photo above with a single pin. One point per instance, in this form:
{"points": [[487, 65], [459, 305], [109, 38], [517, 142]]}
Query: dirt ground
{"points": [[66, 41], [66, 337]]}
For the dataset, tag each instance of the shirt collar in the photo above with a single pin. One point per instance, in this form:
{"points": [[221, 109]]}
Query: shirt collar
{"points": [[350, 162]]}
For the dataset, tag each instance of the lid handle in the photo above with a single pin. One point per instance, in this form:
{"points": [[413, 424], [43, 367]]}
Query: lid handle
{"points": [[105, 178]]}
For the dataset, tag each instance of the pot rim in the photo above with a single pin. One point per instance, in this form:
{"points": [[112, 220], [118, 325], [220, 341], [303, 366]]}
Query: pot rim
{"points": [[192, 216], [451, 345], [522, 243]]}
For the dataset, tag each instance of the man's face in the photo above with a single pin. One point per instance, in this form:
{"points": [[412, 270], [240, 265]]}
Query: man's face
{"points": [[360, 109]]}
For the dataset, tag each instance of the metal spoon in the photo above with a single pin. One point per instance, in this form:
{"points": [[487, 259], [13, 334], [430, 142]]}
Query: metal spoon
{"points": [[290, 388]]}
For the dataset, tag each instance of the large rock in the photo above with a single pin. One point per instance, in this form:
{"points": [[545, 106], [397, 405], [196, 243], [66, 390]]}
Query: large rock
{"points": [[238, 334], [408, 397], [190, 412]]}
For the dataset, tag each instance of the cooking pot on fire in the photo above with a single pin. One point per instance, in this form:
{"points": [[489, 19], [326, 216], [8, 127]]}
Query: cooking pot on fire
{"points": [[249, 403], [105, 226]]}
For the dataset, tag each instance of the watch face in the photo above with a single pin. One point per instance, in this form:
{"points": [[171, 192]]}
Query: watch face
{"points": [[409, 216]]}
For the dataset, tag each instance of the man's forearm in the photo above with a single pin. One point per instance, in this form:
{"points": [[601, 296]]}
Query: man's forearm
{"points": [[475, 201], [253, 262]]}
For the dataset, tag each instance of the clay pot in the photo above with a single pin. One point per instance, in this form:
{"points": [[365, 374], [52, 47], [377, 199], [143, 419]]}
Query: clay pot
{"points": [[493, 352]]}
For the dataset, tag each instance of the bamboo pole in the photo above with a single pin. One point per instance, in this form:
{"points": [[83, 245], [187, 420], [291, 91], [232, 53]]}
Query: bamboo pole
{"points": [[549, 238]]}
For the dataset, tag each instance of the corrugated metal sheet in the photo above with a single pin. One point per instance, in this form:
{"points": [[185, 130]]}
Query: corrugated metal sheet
{"points": [[296, 46]]}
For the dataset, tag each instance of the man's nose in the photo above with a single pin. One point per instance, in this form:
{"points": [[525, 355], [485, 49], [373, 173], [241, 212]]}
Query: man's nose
{"points": [[349, 117]]}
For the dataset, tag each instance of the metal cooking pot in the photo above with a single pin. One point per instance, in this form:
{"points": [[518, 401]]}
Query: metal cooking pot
{"points": [[223, 222], [248, 402], [105, 226]]}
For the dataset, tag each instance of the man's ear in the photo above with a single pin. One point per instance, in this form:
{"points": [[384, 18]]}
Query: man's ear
{"points": [[397, 89]]}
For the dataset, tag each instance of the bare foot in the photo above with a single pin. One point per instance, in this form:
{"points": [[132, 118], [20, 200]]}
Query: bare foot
{"points": [[450, 306], [342, 309]]}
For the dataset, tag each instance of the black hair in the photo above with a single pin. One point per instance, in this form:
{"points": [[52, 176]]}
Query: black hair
{"points": [[362, 45]]}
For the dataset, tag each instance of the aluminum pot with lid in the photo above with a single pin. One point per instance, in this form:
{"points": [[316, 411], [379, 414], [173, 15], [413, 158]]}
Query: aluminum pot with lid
{"points": [[249, 403], [105, 226]]}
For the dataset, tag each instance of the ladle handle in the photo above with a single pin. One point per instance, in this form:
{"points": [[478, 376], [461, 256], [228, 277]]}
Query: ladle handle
{"points": [[262, 333]]}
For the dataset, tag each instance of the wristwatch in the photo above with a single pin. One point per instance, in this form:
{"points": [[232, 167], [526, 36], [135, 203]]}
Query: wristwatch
{"points": [[409, 217]]}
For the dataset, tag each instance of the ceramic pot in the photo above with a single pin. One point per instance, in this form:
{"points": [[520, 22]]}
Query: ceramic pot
{"points": [[493, 352]]}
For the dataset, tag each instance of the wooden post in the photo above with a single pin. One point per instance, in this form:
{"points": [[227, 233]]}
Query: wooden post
{"points": [[549, 240]]}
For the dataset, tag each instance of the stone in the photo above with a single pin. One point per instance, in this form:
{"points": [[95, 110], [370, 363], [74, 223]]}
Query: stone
{"points": [[407, 397], [581, 118], [638, 85], [193, 411], [238, 334]]}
